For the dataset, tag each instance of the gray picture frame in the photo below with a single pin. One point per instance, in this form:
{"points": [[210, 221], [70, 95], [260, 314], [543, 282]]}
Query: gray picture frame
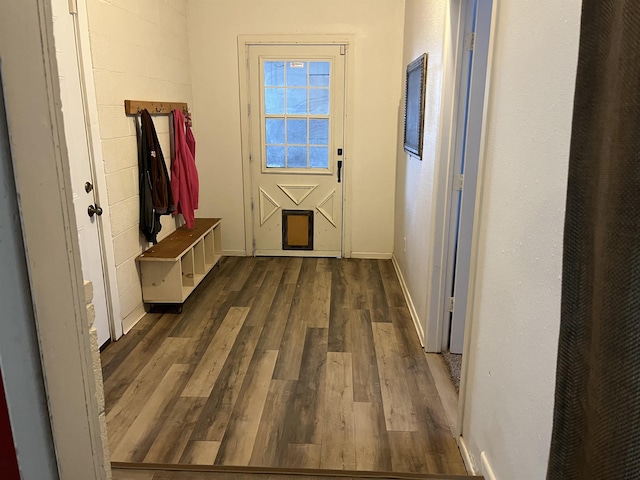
{"points": [[415, 90]]}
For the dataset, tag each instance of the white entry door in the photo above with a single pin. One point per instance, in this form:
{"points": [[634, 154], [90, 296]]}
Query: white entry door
{"points": [[297, 150], [77, 140]]}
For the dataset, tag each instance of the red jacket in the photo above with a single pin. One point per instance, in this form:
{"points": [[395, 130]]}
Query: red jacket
{"points": [[184, 175]]}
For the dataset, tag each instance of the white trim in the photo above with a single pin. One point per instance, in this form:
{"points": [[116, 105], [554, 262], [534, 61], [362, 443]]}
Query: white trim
{"points": [[295, 39], [234, 253], [407, 296], [466, 457], [244, 42], [372, 255], [475, 249], [442, 186], [298, 253], [245, 140], [349, 109], [43, 175], [19, 355], [485, 467], [133, 318], [454, 205], [100, 183]]}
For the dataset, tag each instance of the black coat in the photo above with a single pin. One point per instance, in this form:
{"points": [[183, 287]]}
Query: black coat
{"points": [[155, 188]]}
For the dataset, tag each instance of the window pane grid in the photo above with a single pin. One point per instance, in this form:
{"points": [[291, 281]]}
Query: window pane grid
{"points": [[296, 112]]}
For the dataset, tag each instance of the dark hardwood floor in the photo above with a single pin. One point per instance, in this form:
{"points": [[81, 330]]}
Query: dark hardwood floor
{"points": [[280, 362]]}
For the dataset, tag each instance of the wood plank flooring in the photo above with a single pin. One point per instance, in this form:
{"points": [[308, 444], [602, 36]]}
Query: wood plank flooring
{"points": [[281, 362]]}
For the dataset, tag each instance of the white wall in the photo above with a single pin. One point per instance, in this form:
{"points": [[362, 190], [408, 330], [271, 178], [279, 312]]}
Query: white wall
{"points": [[415, 179], [140, 51], [377, 27], [516, 312], [509, 408]]}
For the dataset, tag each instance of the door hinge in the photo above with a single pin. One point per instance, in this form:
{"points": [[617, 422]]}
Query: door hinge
{"points": [[452, 303], [458, 182], [343, 49], [253, 205], [254, 245], [249, 109], [470, 41], [73, 7]]}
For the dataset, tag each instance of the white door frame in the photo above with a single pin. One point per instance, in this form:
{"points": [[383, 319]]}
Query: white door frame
{"points": [[453, 215], [484, 33], [47, 214], [444, 181], [437, 294], [244, 42]]}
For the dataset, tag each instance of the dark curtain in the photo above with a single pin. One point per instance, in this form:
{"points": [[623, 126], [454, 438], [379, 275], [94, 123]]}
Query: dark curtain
{"points": [[596, 429]]}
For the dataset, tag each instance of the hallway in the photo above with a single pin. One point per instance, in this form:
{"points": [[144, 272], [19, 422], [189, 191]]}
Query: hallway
{"points": [[281, 362]]}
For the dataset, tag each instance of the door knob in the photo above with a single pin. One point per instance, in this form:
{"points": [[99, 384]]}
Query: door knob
{"points": [[94, 210]]}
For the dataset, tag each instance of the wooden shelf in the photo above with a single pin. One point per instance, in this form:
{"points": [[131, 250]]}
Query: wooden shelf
{"points": [[172, 269], [133, 107], [179, 242]]}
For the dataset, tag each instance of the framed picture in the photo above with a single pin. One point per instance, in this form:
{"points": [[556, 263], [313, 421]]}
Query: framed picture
{"points": [[414, 106]]}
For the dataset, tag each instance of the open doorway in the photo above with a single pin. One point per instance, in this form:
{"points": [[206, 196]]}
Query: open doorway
{"points": [[472, 19]]}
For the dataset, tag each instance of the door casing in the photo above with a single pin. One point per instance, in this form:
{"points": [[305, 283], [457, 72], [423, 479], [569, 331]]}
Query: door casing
{"points": [[457, 165], [41, 170], [443, 177], [454, 38], [244, 42]]}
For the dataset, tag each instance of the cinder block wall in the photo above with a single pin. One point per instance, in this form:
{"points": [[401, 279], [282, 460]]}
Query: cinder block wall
{"points": [[140, 51], [97, 371]]}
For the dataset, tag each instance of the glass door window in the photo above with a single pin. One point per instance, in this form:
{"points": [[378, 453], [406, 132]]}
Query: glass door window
{"points": [[296, 114]]}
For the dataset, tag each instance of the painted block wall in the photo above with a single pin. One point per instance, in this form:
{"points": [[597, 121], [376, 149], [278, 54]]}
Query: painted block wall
{"points": [[140, 51], [105, 454], [511, 375], [377, 27], [415, 181]]}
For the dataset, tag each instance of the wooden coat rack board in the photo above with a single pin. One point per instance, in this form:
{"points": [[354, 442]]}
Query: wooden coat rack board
{"points": [[134, 107]]}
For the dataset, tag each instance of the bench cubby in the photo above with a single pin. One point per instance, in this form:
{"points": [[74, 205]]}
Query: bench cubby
{"points": [[173, 268]]}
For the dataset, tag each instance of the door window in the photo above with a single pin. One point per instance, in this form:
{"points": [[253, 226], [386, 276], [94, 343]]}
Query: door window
{"points": [[296, 114]]}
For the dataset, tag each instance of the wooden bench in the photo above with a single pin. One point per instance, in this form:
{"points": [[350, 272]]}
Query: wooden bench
{"points": [[173, 268]]}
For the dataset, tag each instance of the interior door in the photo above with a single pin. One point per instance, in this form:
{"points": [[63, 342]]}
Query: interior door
{"points": [[297, 151], [77, 140], [465, 62], [469, 140]]}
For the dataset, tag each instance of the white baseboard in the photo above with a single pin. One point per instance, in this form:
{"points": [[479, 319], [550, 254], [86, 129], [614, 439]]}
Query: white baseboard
{"points": [[234, 253], [371, 255], [363, 255], [407, 296], [485, 466], [134, 317], [466, 457]]}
